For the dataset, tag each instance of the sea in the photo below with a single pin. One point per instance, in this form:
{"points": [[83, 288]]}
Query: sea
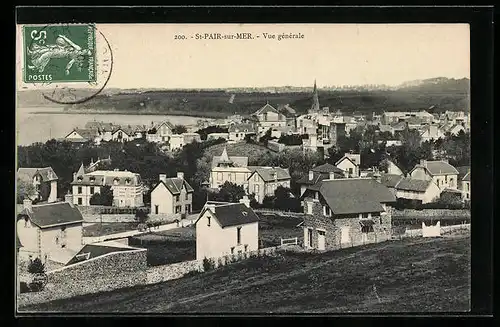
{"points": [[35, 124]]}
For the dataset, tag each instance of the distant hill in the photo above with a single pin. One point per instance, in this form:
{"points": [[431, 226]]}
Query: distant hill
{"points": [[441, 93]]}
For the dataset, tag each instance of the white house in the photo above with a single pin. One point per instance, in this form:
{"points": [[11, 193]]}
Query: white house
{"points": [[466, 187], [432, 132], [237, 132], [122, 135], [268, 117], [171, 195], [50, 231], [176, 142], [225, 229], [425, 191], [160, 133], [127, 187], [265, 180], [440, 172], [229, 169], [81, 135], [44, 181], [349, 163]]}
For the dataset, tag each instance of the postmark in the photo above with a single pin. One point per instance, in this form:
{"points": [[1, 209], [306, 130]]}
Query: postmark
{"points": [[70, 63]]}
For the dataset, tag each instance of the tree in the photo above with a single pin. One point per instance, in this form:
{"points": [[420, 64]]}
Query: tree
{"points": [[210, 129], [266, 137], [179, 129], [229, 192], [36, 267], [25, 190], [141, 216], [102, 198], [283, 199]]}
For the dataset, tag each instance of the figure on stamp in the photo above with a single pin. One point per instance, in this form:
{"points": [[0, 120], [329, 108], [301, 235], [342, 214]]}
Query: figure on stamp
{"points": [[41, 55]]}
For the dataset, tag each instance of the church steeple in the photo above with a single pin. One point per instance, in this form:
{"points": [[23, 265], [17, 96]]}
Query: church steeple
{"points": [[315, 102]]}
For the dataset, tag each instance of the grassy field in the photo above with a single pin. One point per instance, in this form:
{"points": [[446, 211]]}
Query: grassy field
{"points": [[167, 247], [273, 227], [99, 229], [430, 275]]}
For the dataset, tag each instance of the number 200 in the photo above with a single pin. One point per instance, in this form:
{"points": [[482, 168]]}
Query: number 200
{"points": [[179, 37]]}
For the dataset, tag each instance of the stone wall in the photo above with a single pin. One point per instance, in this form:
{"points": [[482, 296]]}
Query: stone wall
{"points": [[127, 218], [178, 270], [425, 213], [104, 273]]}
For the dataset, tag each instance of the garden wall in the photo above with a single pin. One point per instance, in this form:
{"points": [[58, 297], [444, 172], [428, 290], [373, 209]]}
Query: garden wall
{"points": [[126, 218], [427, 213], [111, 271]]}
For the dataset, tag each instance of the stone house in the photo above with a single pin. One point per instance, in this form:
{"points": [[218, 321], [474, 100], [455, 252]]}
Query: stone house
{"points": [[226, 229], [51, 232], [160, 133], [424, 191], [171, 195], [440, 172], [347, 212], [265, 180], [44, 181]]}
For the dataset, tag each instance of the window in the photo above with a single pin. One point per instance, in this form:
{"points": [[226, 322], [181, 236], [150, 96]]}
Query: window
{"points": [[366, 229], [230, 177], [187, 196], [208, 218], [364, 215], [256, 188], [246, 248], [188, 208], [219, 176], [79, 190], [91, 190], [468, 186], [238, 235], [156, 209], [177, 209], [80, 201], [350, 171], [327, 211], [256, 177], [115, 181], [237, 135], [177, 198], [92, 179], [232, 250], [310, 237]]}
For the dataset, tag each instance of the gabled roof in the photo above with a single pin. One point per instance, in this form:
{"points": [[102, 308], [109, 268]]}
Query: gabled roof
{"points": [[268, 173], [466, 177], [345, 158], [108, 177], [231, 214], [390, 180], [265, 109], [327, 168], [462, 171], [236, 161], [96, 250], [53, 214], [355, 195], [174, 185], [246, 128], [305, 179], [412, 184], [438, 168], [84, 133], [47, 173], [165, 122]]}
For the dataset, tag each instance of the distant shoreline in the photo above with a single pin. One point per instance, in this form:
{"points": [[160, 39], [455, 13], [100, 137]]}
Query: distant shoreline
{"points": [[100, 112]]}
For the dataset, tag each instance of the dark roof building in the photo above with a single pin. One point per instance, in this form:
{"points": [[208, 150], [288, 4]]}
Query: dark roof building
{"points": [[390, 180], [269, 174], [436, 168], [53, 214], [230, 214], [90, 251], [174, 184], [411, 184], [27, 174]]}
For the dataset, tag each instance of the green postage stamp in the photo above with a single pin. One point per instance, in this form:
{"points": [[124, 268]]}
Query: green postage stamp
{"points": [[59, 53]]}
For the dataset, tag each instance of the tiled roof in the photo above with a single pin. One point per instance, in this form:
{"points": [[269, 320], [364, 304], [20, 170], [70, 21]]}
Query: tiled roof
{"points": [[84, 133], [166, 122], [305, 179], [411, 184], [107, 177], [174, 185], [237, 161], [390, 180], [327, 168], [355, 195], [440, 168], [265, 109], [45, 215], [247, 128], [267, 173], [27, 174], [232, 214]]}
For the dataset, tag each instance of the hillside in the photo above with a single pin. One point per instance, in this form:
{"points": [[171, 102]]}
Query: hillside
{"points": [[254, 152], [415, 275], [443, 93]]}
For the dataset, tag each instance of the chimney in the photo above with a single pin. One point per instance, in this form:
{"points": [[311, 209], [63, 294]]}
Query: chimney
{"points": [[311, 175], [332, 175], [69, 198], [246, 201], [163, 178], [27, 204], [423, 162], [180, 175]]}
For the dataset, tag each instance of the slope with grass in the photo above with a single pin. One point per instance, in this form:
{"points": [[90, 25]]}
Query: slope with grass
{"points": [[430, 275]]}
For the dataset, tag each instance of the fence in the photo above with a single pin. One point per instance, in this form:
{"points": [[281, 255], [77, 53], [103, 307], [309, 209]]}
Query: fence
{"points": [[279, 212], [289, 241]]}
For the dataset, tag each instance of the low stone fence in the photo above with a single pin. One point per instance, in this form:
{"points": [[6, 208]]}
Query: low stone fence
{"points": [[418, 231], [178, 270], [127, 218], [427, 213], [104, 273], [279, 212]]}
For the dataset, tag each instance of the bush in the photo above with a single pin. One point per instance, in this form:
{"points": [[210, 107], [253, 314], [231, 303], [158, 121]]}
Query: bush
{"points": [[36, 267], [208, 264]]}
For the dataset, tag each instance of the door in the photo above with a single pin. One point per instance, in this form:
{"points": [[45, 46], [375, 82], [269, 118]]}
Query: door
{"points": [[344, 234], [321, 240]]}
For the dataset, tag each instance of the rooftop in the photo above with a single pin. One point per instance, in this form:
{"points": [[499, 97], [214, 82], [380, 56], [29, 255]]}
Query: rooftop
{"points": [[411, 184], [52, 214], [231, 214]]}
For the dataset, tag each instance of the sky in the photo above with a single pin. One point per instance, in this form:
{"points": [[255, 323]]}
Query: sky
{"points": [[148, 56]]}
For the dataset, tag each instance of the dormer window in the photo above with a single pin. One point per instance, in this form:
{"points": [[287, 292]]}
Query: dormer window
{"points": [[92, 179], [244, 213], [127, 181], [80, 178], [116, 181]]}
